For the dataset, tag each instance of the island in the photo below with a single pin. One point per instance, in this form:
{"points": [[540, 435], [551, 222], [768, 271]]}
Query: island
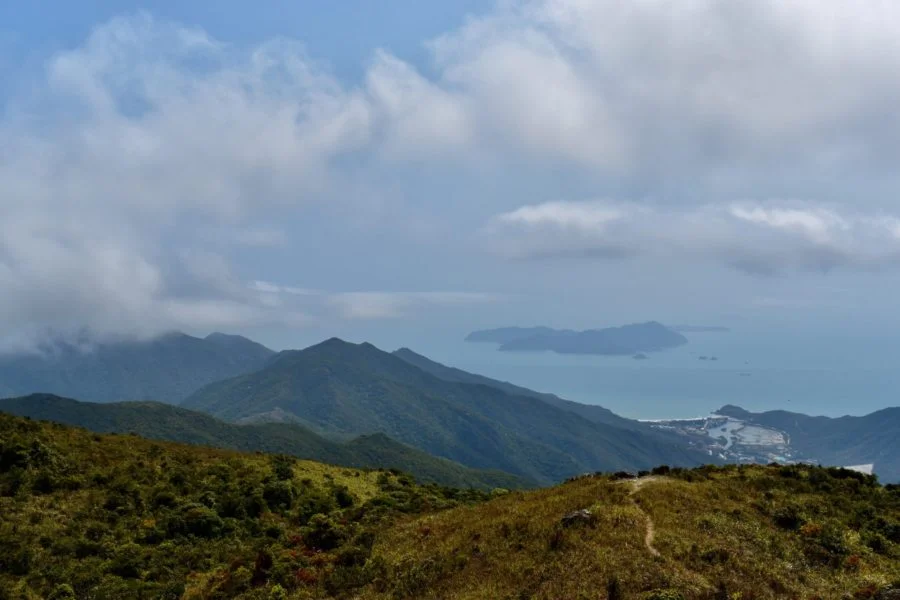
{"points": [[636, 338]]}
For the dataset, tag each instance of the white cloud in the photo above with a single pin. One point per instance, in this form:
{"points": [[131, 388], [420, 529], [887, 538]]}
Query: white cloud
{"points": [[696, 89], [370, 304], [584, 216], [145, 130], [760, 238], [151, 131], [415, 113]]}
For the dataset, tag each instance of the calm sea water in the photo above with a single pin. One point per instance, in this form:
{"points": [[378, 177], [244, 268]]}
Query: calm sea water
{"points": [[819, 374]]}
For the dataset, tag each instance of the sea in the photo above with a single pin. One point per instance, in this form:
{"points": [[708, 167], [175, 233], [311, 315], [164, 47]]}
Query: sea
{"points": [[815, 373]]}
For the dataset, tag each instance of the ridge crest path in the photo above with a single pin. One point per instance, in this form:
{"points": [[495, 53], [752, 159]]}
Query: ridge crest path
{"points": [[636, 485]]}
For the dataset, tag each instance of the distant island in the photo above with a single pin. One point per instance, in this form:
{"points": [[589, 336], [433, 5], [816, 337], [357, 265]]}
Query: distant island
{"points": [[637, 338]]}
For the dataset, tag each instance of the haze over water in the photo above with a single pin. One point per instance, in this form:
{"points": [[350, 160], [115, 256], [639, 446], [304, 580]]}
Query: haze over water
{"points": [[813, 373]]}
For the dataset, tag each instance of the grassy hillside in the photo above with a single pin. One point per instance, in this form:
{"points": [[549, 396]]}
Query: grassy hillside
{"points": [[90, 516], [748, 533], [102, 517], [166, 369], [164, 422], [870, 439], [343, 388]]}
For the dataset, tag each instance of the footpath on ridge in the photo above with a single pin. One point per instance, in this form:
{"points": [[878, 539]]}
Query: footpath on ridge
{"points": [[636, 485]]}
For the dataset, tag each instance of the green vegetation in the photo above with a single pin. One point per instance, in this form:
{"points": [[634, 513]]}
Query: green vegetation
{"points": [[92, 516], [591, 412], [89, 516], [166, 369], [164, 422], [349, 389]]}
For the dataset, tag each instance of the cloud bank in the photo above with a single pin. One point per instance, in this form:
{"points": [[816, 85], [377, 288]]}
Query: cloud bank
{"points": [[757, 238], [141, 159]]}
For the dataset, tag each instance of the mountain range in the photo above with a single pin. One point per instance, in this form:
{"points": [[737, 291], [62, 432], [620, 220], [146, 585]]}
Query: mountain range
{"points": [[627, 339], [344, 389], [154, 420], [355, 404], [166, 369]]}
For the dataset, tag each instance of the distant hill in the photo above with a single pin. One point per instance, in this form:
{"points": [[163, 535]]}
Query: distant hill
{"points": [[167, 369], [871, 439], [154, 420], [349, 389], [591, 412], [625, 340]]}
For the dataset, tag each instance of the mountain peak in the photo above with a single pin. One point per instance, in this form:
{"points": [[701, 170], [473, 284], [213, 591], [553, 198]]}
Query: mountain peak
{"points": [[168, 367], [336, 343], [218, 335]]}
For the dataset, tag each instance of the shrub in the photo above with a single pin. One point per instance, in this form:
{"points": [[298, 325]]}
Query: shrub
{"points": [[197, 520], [282, 467], [343, 497], [323, 533], [127, 561], [13, 456], [312, 501], [15, 559], [164, 498], [63, 591], [789, 517], [876, 542], [279, 495]]}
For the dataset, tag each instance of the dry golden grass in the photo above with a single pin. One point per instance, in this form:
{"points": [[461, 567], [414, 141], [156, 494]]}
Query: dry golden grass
{"points": [[716, 538]]}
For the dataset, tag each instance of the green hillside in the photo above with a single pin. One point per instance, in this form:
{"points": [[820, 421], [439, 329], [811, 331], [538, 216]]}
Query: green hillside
{"points": [[598, 414], [100, 517], [164, 422], [91, 516], [165, 369], [349, 389]]}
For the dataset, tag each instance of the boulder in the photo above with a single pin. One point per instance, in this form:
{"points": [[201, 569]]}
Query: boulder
{"points": [[578, 517]]}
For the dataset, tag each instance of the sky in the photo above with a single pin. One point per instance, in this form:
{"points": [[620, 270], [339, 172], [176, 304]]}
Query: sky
{"points": [[402, 169]]}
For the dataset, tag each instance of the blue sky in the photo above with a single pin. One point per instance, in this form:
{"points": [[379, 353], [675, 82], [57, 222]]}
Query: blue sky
{"points": [[400, 169], [343, 34]]}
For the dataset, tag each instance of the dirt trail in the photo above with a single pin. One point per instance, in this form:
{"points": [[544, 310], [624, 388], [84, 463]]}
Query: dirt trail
{"points": [[636, 485]]}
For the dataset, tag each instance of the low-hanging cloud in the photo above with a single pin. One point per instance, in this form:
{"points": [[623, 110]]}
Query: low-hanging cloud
{"points": [[759, 238]]}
